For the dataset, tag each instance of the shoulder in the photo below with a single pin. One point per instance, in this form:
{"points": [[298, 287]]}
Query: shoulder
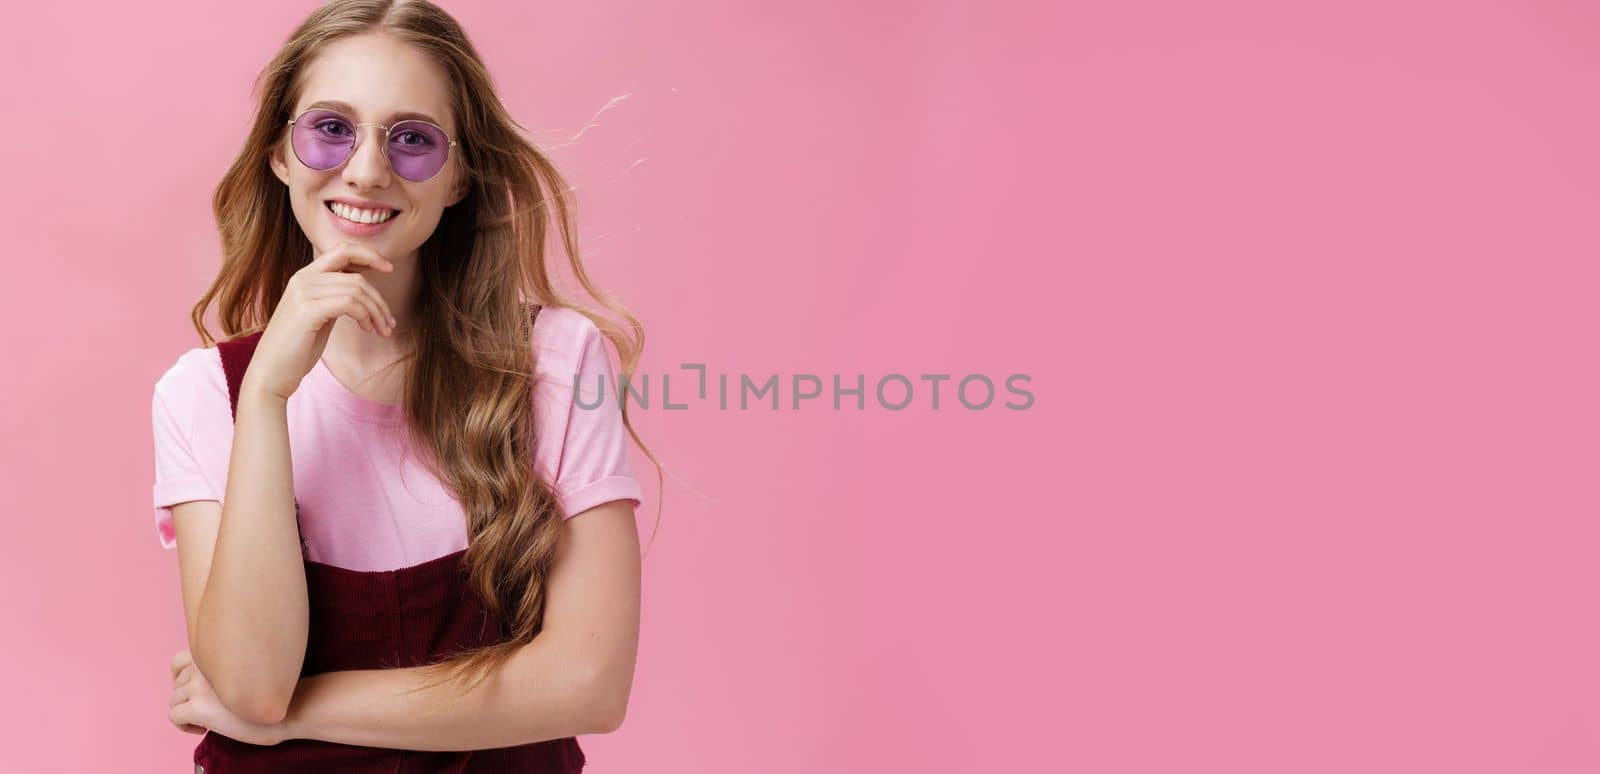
{"points": [[194, 366], [195, 376], [563, 336]]}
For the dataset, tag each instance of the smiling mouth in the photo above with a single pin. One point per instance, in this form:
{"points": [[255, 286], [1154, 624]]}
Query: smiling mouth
{"points": [[329, 204]]}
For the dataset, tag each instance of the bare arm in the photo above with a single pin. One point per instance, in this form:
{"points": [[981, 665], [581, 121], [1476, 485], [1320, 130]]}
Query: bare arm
{"points": [[573, 678], [248, 636], [249, 624]]}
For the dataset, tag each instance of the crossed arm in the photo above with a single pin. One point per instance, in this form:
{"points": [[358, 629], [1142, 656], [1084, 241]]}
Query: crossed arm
{"points": [[573, 678]]}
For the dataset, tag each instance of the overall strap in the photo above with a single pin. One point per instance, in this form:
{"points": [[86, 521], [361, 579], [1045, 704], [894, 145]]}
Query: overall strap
{"points": [[236, 355]]}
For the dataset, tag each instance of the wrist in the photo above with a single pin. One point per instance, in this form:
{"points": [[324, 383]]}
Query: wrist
{"points": [[252, 392]]}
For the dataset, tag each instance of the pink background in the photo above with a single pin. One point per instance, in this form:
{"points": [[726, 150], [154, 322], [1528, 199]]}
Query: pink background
{"points": [[1306, 291]]}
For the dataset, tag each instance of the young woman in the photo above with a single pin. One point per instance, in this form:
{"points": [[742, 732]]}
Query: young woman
{"points": [[444, 574]]}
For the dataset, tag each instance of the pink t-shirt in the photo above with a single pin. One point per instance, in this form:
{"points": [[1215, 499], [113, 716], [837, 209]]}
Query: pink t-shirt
{"points": [[366, 503]]}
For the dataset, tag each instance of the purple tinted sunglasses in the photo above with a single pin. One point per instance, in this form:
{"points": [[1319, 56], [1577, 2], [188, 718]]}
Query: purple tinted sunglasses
{"points": [[323, 139]]}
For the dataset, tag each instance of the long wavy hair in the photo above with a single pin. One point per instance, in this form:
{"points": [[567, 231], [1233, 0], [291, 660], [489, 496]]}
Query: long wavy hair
{"points": [[467, 388]]}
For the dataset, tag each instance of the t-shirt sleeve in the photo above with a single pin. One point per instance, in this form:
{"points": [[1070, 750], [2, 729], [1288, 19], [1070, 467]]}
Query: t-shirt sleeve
{"points": [[179, 477], [583, 441]]}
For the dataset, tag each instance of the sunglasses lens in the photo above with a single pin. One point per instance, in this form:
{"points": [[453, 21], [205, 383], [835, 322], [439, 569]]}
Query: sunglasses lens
{"points": [[323, 139], [417, 150]]}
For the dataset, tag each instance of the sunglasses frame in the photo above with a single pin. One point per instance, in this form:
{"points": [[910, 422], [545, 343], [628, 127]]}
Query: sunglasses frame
{"points": [[356, 142]]}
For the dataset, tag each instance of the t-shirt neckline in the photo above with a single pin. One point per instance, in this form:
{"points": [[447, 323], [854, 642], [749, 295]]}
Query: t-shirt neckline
{"points": [[328, 386]]}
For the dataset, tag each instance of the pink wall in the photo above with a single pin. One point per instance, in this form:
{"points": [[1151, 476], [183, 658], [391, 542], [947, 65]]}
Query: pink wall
{"points": [[1306, 291]]}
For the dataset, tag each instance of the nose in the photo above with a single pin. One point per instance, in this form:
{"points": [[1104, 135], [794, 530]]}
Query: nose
{"points": [[368, 167]]}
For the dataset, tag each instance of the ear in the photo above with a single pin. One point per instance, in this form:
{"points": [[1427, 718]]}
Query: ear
{"points": [[462, 188], [280, 167]]}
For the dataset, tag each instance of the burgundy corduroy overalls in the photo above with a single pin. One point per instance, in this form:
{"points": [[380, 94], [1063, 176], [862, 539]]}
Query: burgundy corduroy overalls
{"points": [[378, 620]]}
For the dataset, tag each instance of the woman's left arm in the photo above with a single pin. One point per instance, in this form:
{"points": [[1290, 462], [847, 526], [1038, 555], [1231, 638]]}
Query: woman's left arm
{"points": [[573, 678]]}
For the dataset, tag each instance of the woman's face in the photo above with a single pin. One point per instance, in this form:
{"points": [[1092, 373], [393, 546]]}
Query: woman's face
{"points": [[377, 78]]}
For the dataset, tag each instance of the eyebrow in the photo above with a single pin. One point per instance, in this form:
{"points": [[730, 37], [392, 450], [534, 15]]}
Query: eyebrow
{"points": [[344, 107]]}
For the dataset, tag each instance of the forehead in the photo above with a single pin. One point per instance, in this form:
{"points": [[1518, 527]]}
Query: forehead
{"points": [[376, 78]]}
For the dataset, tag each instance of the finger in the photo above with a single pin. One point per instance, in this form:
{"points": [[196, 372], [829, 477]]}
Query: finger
{"points": [[344, 255], [183, 677], [337, 286], [354, 282], [352, 305], [383, 305], [179, 715], [377, 322], [335, 292], [180, 661]]}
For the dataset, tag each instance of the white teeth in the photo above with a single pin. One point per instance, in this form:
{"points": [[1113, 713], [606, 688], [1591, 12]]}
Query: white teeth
{"points": [[360, 216]]}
